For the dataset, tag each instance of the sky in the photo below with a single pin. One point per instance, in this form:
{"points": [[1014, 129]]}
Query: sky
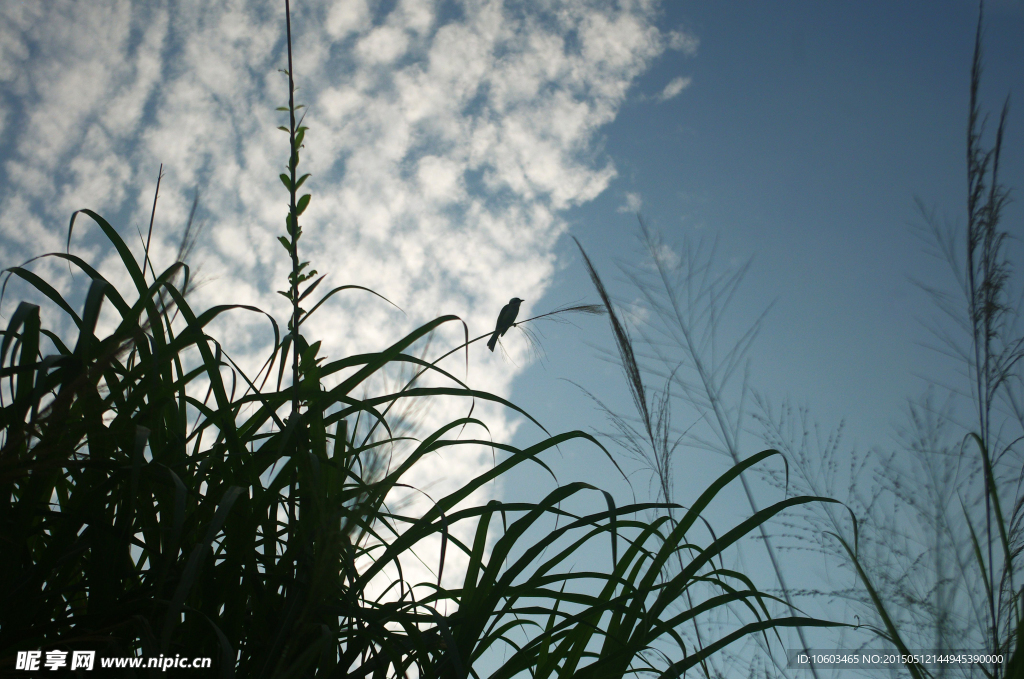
{"points": [[456, 148]]}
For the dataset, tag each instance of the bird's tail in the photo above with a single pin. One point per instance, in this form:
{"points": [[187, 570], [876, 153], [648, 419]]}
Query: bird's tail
{"points": [[491, 342]]}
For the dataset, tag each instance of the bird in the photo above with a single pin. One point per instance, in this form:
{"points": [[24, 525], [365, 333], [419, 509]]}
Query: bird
{"points": [[506, 319]]}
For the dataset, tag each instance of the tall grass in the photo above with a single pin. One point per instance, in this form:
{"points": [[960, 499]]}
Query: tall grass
{"points": [[983, 533], [932, 540], [677, 369], [157, 499], [938, 561]]}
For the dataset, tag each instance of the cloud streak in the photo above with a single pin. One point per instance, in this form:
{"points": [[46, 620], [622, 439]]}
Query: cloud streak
{"points": [[674, 87]]}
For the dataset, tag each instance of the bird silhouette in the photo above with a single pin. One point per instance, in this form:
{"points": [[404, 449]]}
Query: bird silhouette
{"points": [[506, 319]]}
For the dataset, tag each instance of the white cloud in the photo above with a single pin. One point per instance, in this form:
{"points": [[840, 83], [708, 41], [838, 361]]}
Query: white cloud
{"points": [[416, 15], [345, 17], [674, 87], [440, 179], [684, 42], [383, 45], [442, 152], [632, 204], [13, 42], [668, 257]]}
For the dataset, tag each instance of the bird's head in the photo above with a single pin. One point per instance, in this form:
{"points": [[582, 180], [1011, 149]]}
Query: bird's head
{"points": [[515, 301]]}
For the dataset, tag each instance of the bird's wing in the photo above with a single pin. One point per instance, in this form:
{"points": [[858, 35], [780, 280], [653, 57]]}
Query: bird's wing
{"points": [[505, 319]]}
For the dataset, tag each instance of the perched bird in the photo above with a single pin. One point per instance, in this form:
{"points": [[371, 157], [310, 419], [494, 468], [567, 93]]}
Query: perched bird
{"points": [[506, 319]]}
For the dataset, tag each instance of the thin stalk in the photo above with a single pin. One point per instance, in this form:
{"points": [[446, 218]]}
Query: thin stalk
{"points": [[292, 212], [724, 427], [975, 190], [152, 218], [293, 232]]}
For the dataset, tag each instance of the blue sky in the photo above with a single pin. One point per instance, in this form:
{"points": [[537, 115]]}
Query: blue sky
{"points": [[803, 139], [456, 146], [806, 134]]}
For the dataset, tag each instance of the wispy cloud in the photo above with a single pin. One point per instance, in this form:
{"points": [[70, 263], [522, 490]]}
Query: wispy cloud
{"points": [[674, 87], [684, 42], [632, 205]]}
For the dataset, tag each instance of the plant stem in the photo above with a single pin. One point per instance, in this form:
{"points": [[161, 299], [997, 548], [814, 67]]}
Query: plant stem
{"points": [[292, 211]]}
